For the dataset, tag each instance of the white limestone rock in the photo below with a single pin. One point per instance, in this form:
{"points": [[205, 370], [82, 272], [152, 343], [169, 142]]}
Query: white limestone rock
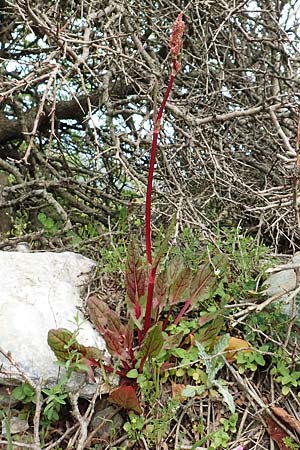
{"points": [[38, 292], [283, 283]]}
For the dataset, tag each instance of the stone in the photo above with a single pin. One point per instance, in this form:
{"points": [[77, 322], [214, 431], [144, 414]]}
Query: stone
{"points": [[283, 282], [40, 291], [108, 421]]}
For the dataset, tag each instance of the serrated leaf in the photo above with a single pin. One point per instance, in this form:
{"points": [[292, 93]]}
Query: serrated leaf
{"points": [[180, 285], [135, 276], [126, 397], [165, 243], [152, 343]]}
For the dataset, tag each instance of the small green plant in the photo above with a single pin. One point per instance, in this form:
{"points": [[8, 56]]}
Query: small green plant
{"points": [[55, 398], [220, 438], [24, 393], [213, 363], [284, 375], [251, 359], [134, 426], [290, 443]]}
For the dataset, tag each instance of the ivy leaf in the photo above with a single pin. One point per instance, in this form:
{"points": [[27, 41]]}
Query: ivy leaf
{"points": [[126, 397], [135, 276], [153, 342]]}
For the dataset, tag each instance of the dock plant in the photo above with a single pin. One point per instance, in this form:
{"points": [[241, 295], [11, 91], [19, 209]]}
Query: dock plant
{"points": [[159, 291]]}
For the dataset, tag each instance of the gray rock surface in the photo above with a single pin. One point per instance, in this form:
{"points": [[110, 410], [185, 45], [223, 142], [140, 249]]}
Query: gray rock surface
{"points": [[40, 291], [282, 283]]}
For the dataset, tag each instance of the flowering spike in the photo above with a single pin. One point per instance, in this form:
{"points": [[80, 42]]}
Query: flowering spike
{"points": [[176, 38]]}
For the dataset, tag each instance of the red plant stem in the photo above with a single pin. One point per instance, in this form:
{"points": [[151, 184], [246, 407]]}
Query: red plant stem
{"points": [[149, 304], [152, 275], [111, 370], [184, 309], [153, 152]]}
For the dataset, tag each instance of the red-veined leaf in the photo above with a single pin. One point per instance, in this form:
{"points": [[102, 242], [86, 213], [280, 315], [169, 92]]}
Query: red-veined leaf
{"points": [[165, 243], [160, 290], [206, 278], [180, 286], [117, 336], [211, 325], [135, 276], [152, 342], [174, 267], [125, 396]]}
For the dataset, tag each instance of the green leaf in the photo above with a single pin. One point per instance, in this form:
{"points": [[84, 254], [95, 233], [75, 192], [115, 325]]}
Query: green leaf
{"points": [[227, 397], [165, 243], [152, 343], [180, 286], [189, 391], [285, 390], [206, 278], [125, 396], [211, 325], [58, 341], [133, 373], [135, 275], [160, 290]]}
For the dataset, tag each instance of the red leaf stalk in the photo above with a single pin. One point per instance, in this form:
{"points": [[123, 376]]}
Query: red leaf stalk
{"points": [[175, 45]]}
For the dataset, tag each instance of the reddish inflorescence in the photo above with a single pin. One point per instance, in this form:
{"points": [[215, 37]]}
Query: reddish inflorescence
{"points": [[176, 37]]}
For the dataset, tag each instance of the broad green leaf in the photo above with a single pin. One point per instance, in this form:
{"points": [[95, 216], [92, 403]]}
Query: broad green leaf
{"points": [[211, 325], [125, 396], [180, 286], [160, 290], [58, 341], [165, 243], [207, 277], [175, 266], [117, 336], [133, 373], [135, 276], [152, 343]]}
